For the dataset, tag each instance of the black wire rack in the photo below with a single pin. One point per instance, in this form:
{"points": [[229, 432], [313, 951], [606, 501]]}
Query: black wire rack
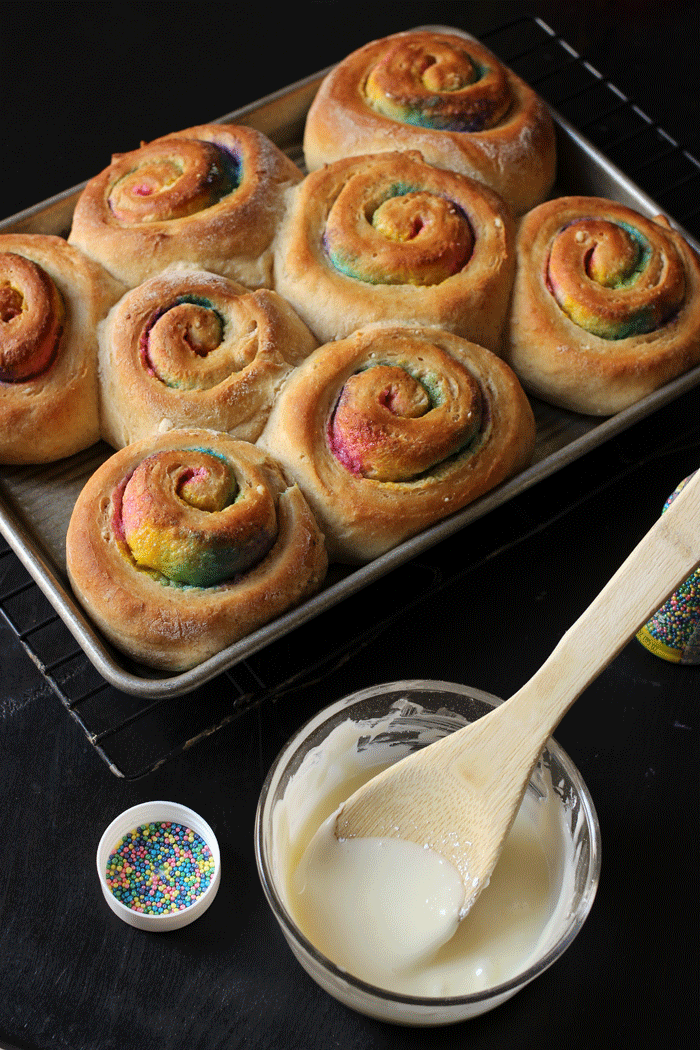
{"points": [[664, 169], [134, 736]]}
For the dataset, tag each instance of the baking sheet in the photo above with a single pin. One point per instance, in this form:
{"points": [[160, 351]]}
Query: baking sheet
{"points": [[36, 502]]}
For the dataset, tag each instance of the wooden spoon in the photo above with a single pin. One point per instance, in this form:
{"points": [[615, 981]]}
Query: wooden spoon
{"points": [[460, 795]]}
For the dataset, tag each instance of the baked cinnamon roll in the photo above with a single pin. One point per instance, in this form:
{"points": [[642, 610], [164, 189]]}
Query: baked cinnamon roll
{"points": [[189, 348], [606, 305], [389, 238], [445, 95], [51, 300], [209, 195], [181, 545], [394, 428]]}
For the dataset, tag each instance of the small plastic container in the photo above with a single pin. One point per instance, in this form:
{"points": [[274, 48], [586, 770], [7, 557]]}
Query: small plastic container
{"points": [[673, 632], [428, 709], [158, 812]]}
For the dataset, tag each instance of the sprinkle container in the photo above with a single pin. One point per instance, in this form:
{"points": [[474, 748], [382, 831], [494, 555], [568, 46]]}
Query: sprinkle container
{"points": [[159, 865], [673, 632]]}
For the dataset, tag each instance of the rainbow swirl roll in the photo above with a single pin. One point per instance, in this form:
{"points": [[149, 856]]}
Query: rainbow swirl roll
{"points": [[180, 545], [189, 348], [388, 238], [445, 95], [394, 428], [210, 195], [52, 298], [606, 305]]}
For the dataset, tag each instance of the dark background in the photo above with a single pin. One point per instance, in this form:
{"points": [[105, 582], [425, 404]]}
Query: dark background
{"points": [[83, 80], [80, 81]]}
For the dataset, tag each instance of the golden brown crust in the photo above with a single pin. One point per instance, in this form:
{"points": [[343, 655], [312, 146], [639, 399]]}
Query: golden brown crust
{"points": [[387, 238], [629, 319], [52, 298], [369, 103], [345, 467], [209, 195], [160, 496], [189, 348]]}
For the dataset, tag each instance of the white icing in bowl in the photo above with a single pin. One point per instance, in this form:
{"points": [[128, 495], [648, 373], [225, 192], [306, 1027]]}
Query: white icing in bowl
{"points": [[391, 968]]}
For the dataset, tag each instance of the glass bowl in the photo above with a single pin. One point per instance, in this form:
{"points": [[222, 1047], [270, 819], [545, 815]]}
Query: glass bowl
{"points": [[394, 719]]}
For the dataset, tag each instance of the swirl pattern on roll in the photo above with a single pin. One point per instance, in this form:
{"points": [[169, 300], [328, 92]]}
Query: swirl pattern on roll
{"points": [[393, 422], [51, 300], [189, 348], [392, 429], [210, 195], [449, 97], [367, 224], [437, 81], [389, 238], [32, 316], [171, 179], [606, 304], [182, 545]]}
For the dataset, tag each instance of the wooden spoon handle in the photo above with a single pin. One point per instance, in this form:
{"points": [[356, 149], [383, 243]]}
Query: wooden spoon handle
{"points": [[662, 560]]}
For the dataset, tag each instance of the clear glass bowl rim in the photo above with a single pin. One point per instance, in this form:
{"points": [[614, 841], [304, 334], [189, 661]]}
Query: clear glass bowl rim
{"points": [[292, 931]]}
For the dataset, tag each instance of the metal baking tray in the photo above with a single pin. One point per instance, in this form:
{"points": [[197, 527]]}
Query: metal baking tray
{"points": [[36, 502]]}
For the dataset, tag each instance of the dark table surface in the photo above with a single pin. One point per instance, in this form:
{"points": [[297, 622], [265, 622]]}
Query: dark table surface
{"points": [[83, 80]]}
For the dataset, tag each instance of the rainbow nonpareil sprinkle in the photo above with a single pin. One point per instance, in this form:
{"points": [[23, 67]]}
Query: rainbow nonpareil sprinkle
{"points": [[159, 868], [673, 632]]}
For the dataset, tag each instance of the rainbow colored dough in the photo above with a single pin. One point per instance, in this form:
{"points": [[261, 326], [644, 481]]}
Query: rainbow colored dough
{"points": [[605, 306], [182, 544], [387, 238], [446, 95], [52, 299], [209, 195], [188, 348], [392, 429]]}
